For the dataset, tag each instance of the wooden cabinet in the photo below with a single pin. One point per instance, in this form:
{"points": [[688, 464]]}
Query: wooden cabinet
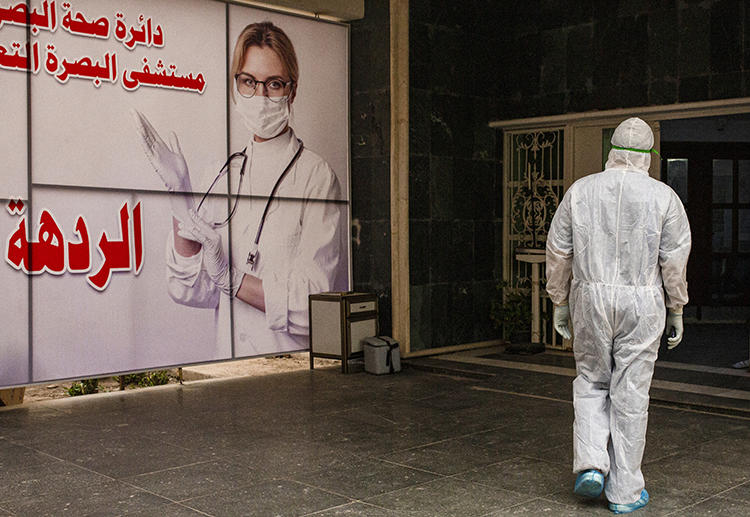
{"points": [[338, 324]]}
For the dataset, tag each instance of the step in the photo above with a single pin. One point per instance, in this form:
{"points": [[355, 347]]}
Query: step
{"points": [[716, 389]]}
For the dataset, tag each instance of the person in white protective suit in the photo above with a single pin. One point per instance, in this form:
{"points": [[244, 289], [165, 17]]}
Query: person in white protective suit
{"points": [[625, 239], [286, 219]]}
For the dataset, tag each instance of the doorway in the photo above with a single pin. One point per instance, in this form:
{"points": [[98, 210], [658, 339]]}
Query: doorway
{"points": [[707, 162]]}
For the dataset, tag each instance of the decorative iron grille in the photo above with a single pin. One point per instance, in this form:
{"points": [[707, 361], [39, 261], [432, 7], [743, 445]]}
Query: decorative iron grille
{"points": [[533, 179]]}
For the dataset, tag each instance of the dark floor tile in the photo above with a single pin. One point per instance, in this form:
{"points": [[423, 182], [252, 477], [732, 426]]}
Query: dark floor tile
{"points": [[717, 506], [392, 413], [546, 385], [530, 439], [365, 440], [561, 454], [446, 425], [741, 431], [56, 429], [399, 415], [357, 509], [97, 498], [664, 500], [542, 506], [462, 398], [701, 425], [663, 441], [167, 510], [278, 498], [693, 475], [446, 457], [190, 481], [740, 493], [115, 455], [271, 458], [406, 411], [523, 475], [675, 430], [480, 419], [731, 451], [42, 478], [25, 422], [209, 439], [369, 416], [451, 496], [14, 456], [365, 478], [509, 410]]}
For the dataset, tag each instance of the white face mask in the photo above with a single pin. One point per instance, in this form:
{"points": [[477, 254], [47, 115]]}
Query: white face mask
{"points": [[262, 116]]}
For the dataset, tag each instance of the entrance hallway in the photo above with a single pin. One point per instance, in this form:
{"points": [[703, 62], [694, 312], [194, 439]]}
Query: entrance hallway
{"points": [[441, 438]]}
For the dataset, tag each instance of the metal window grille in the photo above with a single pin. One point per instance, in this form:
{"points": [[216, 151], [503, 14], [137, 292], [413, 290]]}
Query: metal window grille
{"points": [[533, 179]]}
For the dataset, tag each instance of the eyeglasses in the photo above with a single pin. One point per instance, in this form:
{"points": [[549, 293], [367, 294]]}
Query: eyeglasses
{"points": [[235, 161], [247, 85]]}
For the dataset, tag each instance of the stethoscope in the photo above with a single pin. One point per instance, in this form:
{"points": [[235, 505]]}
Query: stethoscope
{"points": [[252, 256]]}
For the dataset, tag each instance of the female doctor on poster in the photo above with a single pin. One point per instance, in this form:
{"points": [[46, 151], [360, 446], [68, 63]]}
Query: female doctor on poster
{"points": [[286, 238]]}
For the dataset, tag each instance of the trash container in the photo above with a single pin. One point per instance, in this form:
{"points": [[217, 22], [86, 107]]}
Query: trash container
{"points": [[382, 355]]}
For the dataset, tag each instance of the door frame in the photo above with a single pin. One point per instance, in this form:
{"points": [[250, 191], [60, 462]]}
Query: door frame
{"points": [[581, 156]]}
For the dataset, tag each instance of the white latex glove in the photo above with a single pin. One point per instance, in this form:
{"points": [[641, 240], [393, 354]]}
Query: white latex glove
{"points": [[169, 163], [215, 260], [561, 320], [674, 321]]}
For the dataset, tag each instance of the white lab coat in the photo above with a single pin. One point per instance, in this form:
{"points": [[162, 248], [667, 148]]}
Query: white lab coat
{"points": [[625, 238], [301, 250]]}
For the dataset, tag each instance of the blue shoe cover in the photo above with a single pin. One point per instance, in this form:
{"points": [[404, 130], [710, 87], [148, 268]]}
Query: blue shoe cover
{"points": [[589, 483], [627, 508]]}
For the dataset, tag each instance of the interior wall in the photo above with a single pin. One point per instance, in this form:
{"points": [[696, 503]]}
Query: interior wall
{"points": [[483, 60], [455, 210], [370, 152]]}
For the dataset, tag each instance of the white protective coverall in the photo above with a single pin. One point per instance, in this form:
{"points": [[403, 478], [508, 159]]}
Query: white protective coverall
{"points": [[625, 238], [301, 250]]}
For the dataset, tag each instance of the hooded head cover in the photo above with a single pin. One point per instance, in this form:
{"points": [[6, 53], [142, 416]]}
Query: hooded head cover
{"points": [[632, 145]]}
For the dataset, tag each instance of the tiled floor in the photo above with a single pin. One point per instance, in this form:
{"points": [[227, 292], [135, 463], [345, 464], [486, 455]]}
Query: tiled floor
{"points": [[482, 442]]}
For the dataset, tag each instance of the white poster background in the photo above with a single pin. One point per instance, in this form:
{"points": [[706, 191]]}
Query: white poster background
{"points": [[13, 128], [130, 325], [14, 316], [84, 135], [320, 110]]}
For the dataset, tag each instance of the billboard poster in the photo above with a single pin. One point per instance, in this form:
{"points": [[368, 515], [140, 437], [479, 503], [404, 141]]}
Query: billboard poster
{"points": [[175, 183]]}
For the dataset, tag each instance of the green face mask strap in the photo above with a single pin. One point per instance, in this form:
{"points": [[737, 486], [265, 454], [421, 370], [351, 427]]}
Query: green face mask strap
{"points": [[637, 150]]}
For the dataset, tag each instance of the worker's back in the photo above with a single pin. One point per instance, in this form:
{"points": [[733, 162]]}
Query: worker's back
{"points": [[620, 228], [617, 218]]}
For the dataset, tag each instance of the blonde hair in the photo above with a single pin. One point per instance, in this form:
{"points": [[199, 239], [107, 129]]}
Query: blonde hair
{"points": [[265, 34]]}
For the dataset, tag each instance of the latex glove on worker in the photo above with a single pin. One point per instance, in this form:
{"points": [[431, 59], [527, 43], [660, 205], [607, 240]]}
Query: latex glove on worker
{"points": [[169, 163], [674, 328], [222, 273], [561, 320]]}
